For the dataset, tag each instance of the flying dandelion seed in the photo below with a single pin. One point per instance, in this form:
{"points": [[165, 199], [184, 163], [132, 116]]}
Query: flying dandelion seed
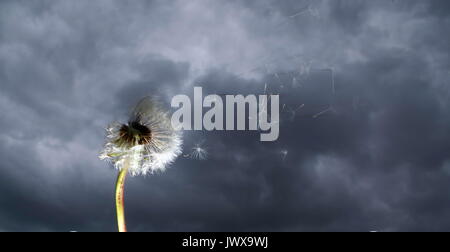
{"points": [[302, 74], [333, 85], [278, 78], [329, 109], [305, 69], [295, 82], [145, 145], [314, 12], [198, 152], [293, 112], [301, 12], [284, 154], [305, 10]]}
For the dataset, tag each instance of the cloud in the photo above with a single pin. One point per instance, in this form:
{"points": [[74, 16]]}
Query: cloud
{"points": [[370, 154]]}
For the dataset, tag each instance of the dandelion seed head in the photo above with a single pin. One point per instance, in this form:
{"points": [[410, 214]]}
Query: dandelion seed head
{"points": [[146, 144]]}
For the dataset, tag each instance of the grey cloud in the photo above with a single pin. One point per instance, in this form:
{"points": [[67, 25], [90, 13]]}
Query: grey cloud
{"points": [[377, 160]]}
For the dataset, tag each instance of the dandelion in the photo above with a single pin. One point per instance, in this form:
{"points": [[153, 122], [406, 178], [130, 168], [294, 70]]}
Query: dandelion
{"points": [[145, 145]]}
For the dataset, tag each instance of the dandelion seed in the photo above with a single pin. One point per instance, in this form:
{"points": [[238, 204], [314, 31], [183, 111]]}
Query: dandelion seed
{"points": [[145, 145], [299, 107], [308, 9], [305, 10], [284, 154], [305, 69], [329, 109], [293, 112], [333, 87], [295, 82], [313, 12], [279, 80], [198, 153]]}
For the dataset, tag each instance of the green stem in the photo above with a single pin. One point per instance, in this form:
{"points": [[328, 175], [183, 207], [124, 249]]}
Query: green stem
{"points": [[120, 199]]}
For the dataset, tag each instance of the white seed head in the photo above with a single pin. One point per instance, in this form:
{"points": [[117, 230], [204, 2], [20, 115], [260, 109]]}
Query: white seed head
{"points": [[145, 145]]}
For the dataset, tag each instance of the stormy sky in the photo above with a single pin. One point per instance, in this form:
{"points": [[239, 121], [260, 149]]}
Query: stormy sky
{"points": [[364, 131]]}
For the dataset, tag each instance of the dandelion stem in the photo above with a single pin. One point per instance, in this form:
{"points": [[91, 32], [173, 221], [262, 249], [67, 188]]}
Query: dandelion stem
{"points": [[120, 199]]}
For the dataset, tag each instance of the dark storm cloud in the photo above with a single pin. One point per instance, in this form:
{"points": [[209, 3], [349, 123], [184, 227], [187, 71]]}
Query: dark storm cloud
{"points": [[377, 158]]}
